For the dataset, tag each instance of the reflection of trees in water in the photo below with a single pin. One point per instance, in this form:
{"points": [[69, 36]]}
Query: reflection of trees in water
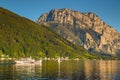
{"points": [[49, 69], [6, 72]]}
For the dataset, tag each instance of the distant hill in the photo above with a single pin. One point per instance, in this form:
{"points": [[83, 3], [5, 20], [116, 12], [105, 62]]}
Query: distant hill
{"points": [[83, 29], [20, 37]]}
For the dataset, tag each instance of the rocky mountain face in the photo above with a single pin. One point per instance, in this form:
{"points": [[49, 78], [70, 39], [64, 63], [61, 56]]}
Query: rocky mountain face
{"points": [[84, 29]]}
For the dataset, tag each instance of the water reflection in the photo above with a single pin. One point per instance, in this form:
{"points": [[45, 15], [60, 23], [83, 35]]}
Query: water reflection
{"points": [[65, 70], [92, 70], [6, 72], [28, 71], [110, 70]]}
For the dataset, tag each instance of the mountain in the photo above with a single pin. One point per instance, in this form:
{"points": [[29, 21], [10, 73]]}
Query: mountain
{"points": [[84, 29], [21, 37]]}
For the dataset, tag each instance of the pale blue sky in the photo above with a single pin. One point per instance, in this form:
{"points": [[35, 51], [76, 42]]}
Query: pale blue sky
{"points": [[107, 10]]}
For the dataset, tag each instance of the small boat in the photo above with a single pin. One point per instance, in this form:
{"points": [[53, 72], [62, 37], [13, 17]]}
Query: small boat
{"points": [[25, 61], [28, 61], [59, 60]]}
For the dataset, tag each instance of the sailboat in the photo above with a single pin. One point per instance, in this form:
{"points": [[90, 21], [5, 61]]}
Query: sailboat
{"points": [[59, 60]]}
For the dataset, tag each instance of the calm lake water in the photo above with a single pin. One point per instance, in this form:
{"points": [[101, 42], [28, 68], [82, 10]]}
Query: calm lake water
{"points": [[65, 70]]}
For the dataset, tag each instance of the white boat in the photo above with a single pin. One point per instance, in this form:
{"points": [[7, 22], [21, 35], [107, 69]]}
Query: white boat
{"points": [[28, 61], [59, 60], [24, 61]]}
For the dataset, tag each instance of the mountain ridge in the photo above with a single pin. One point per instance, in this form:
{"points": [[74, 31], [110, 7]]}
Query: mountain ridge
{"points": [[84, 29]]}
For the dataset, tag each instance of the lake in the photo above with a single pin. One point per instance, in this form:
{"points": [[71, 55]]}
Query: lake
{"points": [[65, 70]]}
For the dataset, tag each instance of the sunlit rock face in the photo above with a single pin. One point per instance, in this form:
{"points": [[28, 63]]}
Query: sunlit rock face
{"points": [[84, 29]]}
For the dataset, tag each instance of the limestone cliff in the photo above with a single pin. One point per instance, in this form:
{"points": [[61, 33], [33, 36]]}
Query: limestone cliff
{"points": [[84, 29]]}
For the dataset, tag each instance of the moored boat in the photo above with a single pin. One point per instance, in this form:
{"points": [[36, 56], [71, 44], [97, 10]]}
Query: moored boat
{"points": [[28, 61], [25, 61]]}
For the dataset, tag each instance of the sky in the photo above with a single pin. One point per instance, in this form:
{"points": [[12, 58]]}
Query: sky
{"points": [[107, 10]]}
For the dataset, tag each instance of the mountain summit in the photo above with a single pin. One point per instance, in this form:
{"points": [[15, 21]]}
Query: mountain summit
{"points": [[84, 29]]}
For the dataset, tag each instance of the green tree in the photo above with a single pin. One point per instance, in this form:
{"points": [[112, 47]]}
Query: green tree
{"points": [[41, 54], [1, 53]]}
